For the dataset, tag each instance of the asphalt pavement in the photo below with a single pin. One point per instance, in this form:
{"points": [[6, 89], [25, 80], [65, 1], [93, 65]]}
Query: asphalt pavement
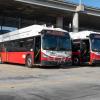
{"points": [[69, 83]]}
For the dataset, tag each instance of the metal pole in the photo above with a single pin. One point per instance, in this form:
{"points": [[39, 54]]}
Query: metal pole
{"points": [[80, 2], [19, 23]]}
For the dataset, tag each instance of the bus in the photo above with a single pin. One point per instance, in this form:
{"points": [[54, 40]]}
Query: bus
{"points": [[85, 47], [36, 45]]}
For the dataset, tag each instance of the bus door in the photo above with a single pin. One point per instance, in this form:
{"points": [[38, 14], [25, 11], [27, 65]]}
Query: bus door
{"points": [[85, 50], [4, 53], [76, 52], [37, 49]]}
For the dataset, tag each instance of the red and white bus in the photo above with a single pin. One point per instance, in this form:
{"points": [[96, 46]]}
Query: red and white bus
{"points": [[36, 45], [86, 47]]}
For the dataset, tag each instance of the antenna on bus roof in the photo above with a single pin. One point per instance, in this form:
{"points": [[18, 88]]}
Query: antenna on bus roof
{"points": [[44, 25], [52, 26]]}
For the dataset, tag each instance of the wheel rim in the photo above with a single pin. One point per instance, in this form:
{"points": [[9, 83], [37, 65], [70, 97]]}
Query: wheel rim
{"points": [[29, 62], [76, 60]]}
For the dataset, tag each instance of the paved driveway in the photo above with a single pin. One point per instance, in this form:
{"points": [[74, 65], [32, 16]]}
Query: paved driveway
{"points": [[76, 83]]}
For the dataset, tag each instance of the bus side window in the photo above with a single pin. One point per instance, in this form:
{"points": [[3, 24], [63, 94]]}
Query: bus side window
{"points": [[29, 44], [0, 47], [15, 46], [3, 47], [6, 46], [21, 45], [12, 46]]}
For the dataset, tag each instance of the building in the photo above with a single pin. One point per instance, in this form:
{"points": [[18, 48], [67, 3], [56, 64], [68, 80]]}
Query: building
{"points": [[15, 14]]}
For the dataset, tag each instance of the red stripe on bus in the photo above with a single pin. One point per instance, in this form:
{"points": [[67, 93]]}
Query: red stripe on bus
{"points": [[95, 56], [15, 57]]}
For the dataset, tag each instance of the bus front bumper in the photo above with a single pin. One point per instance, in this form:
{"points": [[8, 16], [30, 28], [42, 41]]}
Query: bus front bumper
{"points": [[96, 62], [53, 63]]}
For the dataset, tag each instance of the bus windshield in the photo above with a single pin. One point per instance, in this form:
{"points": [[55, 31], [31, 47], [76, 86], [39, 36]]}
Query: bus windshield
{"points": [[52, 42], [64, 43], [95, 44]]}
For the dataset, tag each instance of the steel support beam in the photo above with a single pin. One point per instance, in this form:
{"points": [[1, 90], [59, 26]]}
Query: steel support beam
{"points": [[51, 4]]}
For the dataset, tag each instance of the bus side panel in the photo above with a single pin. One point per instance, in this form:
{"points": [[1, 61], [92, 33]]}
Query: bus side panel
{"points": [[94, 57], [18, 57]]}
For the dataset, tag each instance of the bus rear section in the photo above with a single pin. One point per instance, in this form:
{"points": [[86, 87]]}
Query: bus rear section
{"points": [[86, 48], [43, 47]]}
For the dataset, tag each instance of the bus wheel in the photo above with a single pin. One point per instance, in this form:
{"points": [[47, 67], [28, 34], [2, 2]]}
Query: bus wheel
{"points": [[76, 61], [29, 61]]}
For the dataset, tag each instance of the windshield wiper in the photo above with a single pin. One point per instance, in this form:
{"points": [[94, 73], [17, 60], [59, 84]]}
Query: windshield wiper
{"points": [[96, 50], [52, 48], [62, 49]]}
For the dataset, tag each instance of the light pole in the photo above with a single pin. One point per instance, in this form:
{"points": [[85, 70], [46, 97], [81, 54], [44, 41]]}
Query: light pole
{"points": [[80, 2]]}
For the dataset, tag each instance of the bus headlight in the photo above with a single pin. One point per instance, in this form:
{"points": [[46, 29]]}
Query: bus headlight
{"points": [[44, 55]]}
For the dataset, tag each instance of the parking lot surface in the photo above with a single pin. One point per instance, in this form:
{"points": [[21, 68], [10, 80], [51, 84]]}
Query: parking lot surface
{"points": [[69, 83]]}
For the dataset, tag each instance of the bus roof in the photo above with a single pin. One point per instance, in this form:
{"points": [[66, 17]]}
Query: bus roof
{"points": [[82, 34], [29, 31]]}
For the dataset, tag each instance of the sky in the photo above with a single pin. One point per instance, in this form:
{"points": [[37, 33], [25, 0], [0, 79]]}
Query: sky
{"points": [[92, 3]]}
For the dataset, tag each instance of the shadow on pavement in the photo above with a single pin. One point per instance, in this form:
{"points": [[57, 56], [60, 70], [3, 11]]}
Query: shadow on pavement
{"points": [[56, 67]]}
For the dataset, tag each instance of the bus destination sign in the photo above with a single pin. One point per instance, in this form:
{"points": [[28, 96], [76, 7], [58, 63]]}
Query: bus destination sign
{"points": [[58, 33]]}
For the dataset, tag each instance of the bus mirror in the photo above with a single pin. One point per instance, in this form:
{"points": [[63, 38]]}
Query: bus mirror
{"points": [[31, 49]]}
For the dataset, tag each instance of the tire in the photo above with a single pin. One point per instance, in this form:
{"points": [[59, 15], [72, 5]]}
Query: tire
{"points": [[29, 61], [93, 64], [76, 61]]}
